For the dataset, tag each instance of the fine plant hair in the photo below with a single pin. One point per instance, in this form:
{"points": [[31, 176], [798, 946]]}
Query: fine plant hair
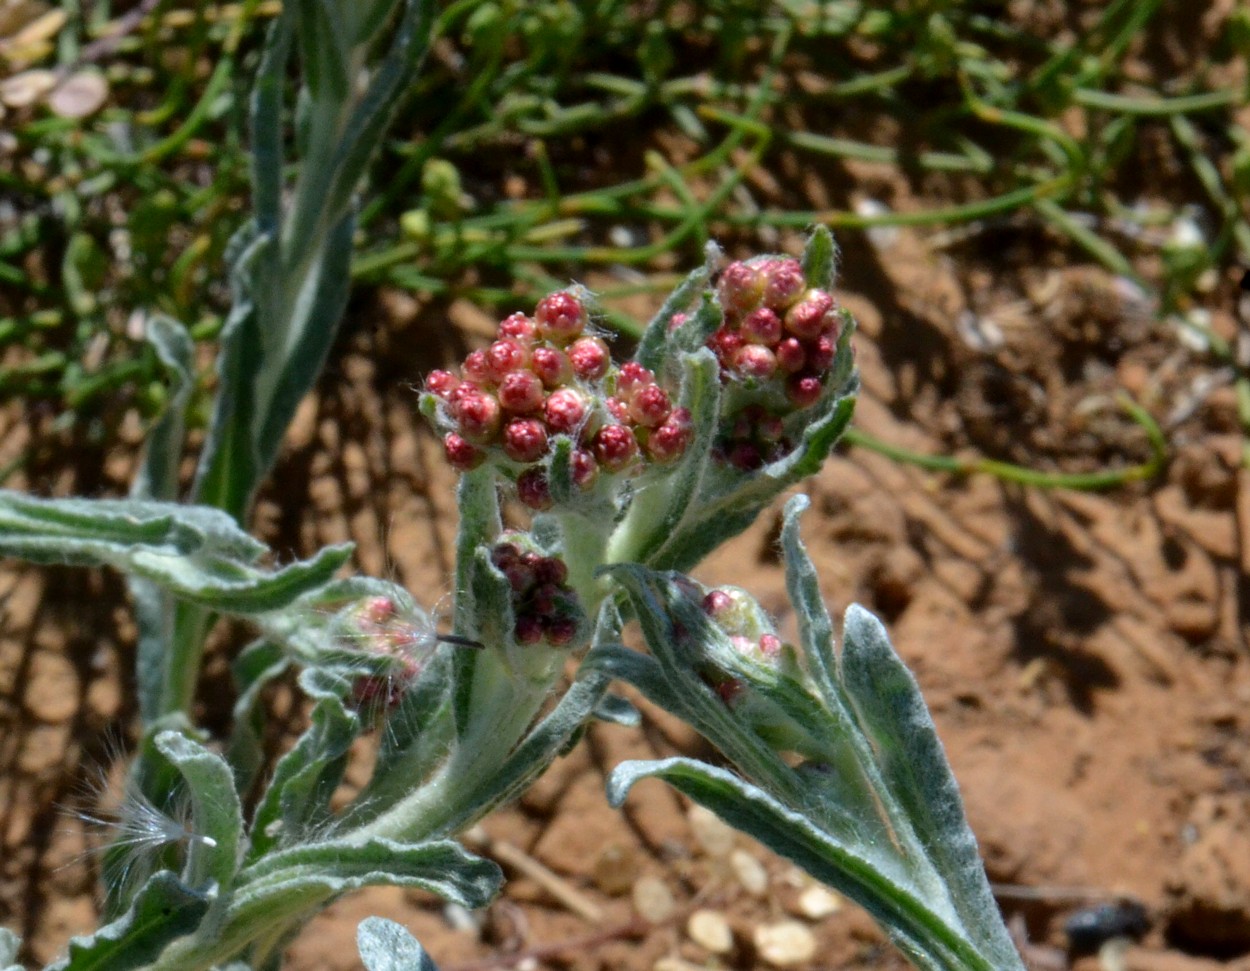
{"points": [[619, 476]]}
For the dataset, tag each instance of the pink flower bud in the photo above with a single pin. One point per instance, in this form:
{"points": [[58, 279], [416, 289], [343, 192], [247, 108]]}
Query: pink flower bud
{"points": [[762, 326], [560, 316], [524, 440], [676, 321], [717, 602], [475, 368], [806, 319], [745, 456], [770, 645], [724, 344], [533, 490], [783, 283], [820, 353], [441, 383], [585, 469], [478, 415], [770, 429], [521, 392], [503, 357], [754, 361], [650, 406], [564, 411], [590, 358], [551, 366], [740, 288], [460, 454], [671, 439], [631, 377], [519, 328], [791, 357], [803, 390], [615, 447]]}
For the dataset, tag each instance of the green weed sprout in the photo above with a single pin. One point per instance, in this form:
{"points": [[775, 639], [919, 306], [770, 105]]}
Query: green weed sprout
{"points": [[632, 472]]}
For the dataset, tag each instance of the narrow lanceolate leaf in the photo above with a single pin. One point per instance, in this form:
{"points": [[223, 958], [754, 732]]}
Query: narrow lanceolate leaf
{"points": [[851, 868], [195, 553], [387, 946], [820, 259], [893, 715], [213, 855], [163, 911], [162, 451], [442, 867]]}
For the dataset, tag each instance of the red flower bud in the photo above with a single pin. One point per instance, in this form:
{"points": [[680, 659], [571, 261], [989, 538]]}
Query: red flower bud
{"points": [[551, 366], [551, 569], [791, 357], [754, 361], [503, 357], [564, 411], [519, 328], [560, 316], [671, 439], [441, 383], [590, 358], [528, 629], [740, 288], [762, 326], [676, 321], [521, 392], [460, 454], [724, 344], [533, 490], [561, 630], [615, 447], [803, 390], [524, 440], [806, 319], [630, 378], [770, 645], [478, 414], [585, 469], [475, 368], [820, 353], [617, 409], [783, 283], [650, 406]]}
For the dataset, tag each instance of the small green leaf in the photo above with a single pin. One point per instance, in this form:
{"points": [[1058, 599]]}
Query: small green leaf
{"points": [[442, 867], [820, 259], [387, 946], [163, 911], [213, 856], [255, 667]]}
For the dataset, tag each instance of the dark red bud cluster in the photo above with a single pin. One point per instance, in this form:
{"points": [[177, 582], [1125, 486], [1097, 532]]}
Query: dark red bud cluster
{"points": [[544, 377], [776, 327], [752, 439], [545, 606]]}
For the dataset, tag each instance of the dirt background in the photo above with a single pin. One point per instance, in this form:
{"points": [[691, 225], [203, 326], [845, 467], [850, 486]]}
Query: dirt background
{"points": [[1085, 655]]}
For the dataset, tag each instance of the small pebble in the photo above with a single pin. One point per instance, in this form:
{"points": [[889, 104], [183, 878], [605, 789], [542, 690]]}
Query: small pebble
{"points": [[711, 931], [817, 902], [676, 964], [750, 873], [652, 899], [616, 870], [715, 837], [785, 943]]}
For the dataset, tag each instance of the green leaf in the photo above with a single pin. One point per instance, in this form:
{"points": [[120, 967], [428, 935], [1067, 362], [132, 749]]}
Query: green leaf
{"points": [[442, 867], [387, 946], [255, 667], [927, 936], [296, 802], [820, 259], [652, 350], [10, 944], [893, 715], [157, 477], [218, 815], [163, 911]]}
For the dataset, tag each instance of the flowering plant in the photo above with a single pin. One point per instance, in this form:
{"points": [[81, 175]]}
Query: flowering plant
{"points": [[630, 473]]}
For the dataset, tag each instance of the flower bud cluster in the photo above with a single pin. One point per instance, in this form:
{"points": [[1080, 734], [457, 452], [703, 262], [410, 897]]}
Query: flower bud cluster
{"points": [[402, 641], [545, 606], [776, 328], [547, 376], [737, 614], [754, 437]]}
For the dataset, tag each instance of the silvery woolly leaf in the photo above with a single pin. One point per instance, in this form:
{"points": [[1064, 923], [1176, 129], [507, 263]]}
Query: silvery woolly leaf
{"points": [[387, 946]]}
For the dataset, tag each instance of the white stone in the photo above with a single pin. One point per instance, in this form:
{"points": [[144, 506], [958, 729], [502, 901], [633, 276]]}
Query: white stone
{"points": [[750, 873], [711, 931], [785, 943]]}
